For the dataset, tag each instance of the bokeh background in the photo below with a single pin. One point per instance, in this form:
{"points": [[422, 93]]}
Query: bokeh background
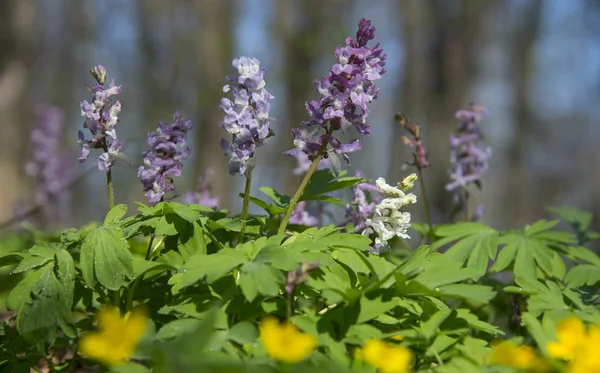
{"points": [[535, 64]]}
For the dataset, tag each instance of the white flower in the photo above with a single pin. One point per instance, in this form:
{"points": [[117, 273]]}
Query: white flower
{"points": [[388, 221]]}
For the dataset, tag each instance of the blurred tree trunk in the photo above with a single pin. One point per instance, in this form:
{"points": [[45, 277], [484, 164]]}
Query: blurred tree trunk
{"points": [[214, 43], [522, 177], [299, 28], [440, 40], [17, 42]]}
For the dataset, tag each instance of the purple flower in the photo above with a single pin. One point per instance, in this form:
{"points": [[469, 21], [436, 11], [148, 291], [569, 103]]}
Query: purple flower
{"points": [[101, 118], [246, 115], [414, 129], [361, 208], [50, 167], [304, 162], [202, 195], [468, 156], [301, 217], [344, 95], [163, 161]]}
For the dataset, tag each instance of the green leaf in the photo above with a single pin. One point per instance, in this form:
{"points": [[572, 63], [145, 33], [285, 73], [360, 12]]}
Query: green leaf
{"points": [[209, 267], [584, 274], [129, 367], [177, 328], [243, 333], [258, 278], [430, 327], [280, 200], [142, 266], [534, 327], [171, 225], [105, 258], [476, 293], [65, 274], [45, 308], [475, 323], [191, 241], [372, 308], [115, 214], [37, 256], [358, 334], [578, 219], [188, 213]]}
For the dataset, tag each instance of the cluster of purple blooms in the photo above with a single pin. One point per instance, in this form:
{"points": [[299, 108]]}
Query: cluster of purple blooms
{"points": [[246, 115], [51, 168], [202, 195], [163, 160], [362, 207], [101, 118], [344, 97], [468, 156]]}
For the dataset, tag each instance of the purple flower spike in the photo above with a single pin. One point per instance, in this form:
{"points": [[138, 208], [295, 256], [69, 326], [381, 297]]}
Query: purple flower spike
{"points": [[51, 168], [101, 117], [468, 156], [344, 95], [202, 195], [246, 114], [163, 160]]}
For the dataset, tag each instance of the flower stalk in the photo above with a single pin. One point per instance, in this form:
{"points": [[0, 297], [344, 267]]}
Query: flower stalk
{"points": [[245, 205]]}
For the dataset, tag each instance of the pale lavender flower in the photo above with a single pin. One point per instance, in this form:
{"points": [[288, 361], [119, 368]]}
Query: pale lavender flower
{"points": [[246, 115], [101, 118], [202, 195], [361, 208], [344, 96], [163, 161], [302, 217], [304, 163], [467, 154], [50, 167]]}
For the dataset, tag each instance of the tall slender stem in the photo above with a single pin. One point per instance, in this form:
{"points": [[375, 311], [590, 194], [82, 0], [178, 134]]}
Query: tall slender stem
{"points": [[245, 206], [109, 187], [426, 203], [298, 194]]}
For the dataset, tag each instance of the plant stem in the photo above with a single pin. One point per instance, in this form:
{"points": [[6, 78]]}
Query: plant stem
{"points": [[109, 186], [467, 206], [149, 249], [137, 281], [426, 203], [288, 305], [117, 298], [303, 184], [105, 298], [245, 206]]}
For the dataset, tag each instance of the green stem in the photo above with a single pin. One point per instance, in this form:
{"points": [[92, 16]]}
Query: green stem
{"points": [[303, 184], [213, 239], [245, 206], [426, 203], [109, 186], [117, 298], [467, 206], [149, 248], [105, 298], [288, 306]]}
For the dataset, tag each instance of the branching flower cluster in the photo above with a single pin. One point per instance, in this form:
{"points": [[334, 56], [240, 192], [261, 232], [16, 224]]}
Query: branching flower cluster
{"points": [[388, 221], [163, 160], [246, 115], [101, 118], [344, 97]]}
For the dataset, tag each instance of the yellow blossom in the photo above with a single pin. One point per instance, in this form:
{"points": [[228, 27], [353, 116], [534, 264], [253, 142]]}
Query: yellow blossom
{"points": [[386, 357], [116, 338], [284, 342], [577, 345], [571, 335], [521, 357]]}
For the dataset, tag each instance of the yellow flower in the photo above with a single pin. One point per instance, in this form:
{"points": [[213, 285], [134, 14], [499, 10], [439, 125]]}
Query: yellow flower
{"points": [[284, 342], [571, 335], [117, 337], [386, 357], [516, 356], [586, 358]]}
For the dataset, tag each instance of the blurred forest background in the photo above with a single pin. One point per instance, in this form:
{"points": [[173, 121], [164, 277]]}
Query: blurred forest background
{"points": [[535, 64]]}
